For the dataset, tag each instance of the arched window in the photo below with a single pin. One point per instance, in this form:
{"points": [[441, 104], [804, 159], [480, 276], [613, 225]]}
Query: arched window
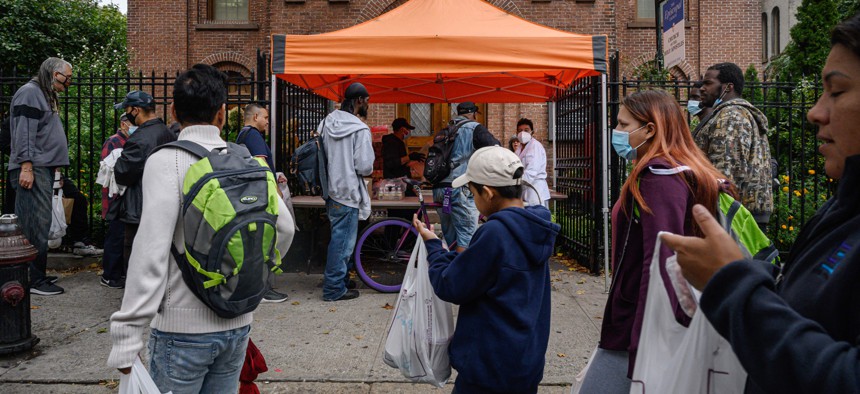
{"points": [[764, 54], [774, 28]]}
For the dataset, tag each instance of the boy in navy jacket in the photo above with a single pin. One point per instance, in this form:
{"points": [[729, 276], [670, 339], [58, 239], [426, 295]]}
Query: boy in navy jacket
{"points": [[501, 282]]}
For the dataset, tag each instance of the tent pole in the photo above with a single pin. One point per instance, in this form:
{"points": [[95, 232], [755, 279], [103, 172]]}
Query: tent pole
{"points": [[605, 169], [273, 115]]}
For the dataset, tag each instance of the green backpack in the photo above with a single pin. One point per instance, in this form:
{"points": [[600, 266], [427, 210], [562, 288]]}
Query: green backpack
{"points": [[737, 221], [229, 211]]}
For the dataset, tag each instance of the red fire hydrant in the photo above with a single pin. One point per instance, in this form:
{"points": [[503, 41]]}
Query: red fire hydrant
{"points": [[15, 255]]}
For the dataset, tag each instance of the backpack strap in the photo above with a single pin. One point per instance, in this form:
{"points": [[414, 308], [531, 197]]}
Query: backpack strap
{"points": [[188, 146]]}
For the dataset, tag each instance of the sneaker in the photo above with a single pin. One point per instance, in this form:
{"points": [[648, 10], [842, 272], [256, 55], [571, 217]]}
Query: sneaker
{"points": [[51, 279], [350, 284], [46, 289], [82, 249], [112, 283], [274, 297], [350, 294]]}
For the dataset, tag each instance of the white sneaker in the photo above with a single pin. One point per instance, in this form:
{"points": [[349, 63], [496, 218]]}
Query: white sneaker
{"points": [[82, 249]]}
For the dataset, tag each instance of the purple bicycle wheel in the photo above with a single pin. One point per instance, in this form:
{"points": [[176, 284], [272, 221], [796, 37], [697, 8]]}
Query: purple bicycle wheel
{"points": [[382, 254]]}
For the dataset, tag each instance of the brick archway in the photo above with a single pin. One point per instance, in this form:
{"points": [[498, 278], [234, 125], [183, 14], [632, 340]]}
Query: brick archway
{"points": [[230, 61], [375, 8]]}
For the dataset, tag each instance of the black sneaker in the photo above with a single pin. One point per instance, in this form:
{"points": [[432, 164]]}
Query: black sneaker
{"points": [[350, 284], [350, 294], [273, 297], [51, 279], [112, 283], [46, 289]]}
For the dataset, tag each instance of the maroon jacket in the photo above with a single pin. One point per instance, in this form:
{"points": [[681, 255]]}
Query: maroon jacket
{"points": [[671, 203]]}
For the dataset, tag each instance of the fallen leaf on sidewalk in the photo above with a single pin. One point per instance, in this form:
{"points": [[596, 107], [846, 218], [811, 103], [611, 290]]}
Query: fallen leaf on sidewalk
{"points": [[387, 306], [359, 337], [332, 309], [326, 332], [296, 303], [580, 292], [102, 330], [562, 355], [35, 307], [94, 265], [581, 281]]}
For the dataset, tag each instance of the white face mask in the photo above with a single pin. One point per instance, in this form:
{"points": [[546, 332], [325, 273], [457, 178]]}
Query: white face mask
{"points": [[524, 137]]}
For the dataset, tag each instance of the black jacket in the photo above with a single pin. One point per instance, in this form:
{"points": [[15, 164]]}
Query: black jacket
{"points": [[801, 335], [129, 168]]}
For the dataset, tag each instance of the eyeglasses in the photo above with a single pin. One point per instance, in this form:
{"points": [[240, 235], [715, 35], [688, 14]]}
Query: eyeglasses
{"points": [[67, 78], [466, 191]]}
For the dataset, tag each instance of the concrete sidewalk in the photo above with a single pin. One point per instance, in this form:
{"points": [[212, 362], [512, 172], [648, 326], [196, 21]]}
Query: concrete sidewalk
{"points": [[310, 346]]}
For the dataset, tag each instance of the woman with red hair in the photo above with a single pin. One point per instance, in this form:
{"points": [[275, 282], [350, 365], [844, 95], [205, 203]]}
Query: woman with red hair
{"points": [[670, 175]]}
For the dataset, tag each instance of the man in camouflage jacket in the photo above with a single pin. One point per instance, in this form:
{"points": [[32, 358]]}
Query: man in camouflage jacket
{"points": [[735, 139]]}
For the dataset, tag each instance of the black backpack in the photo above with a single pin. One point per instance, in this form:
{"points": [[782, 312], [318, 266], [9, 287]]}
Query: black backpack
{"points": [[308, 167], [437, 167]]}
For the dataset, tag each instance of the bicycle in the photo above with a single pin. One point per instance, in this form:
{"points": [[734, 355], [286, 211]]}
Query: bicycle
{"points": [[383, 249]]}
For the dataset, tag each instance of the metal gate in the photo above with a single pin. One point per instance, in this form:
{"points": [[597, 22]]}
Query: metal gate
{"points": [[578, 152]]}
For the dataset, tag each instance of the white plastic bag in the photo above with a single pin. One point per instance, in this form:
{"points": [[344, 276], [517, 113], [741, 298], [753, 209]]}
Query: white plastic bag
{"points": [[675, 359], [580, 377], [58, 221], [138, 381], [421, 327]]}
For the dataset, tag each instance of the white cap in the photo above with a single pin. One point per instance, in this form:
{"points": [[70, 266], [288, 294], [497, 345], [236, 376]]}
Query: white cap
{"points": [[491, 166]]}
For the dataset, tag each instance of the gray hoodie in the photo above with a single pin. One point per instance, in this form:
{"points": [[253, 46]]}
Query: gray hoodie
{"points": [[37, 131], [349, 151]]}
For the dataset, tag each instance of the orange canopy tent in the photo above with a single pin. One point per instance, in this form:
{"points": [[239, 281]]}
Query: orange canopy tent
{"points": [[432, 51]]}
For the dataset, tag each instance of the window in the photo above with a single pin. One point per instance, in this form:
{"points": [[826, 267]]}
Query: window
{"points": [[774, 31], [764, 37], [645, 9], [229, 10]]}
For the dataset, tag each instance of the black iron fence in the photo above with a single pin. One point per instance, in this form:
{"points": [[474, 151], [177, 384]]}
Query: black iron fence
{"points": [[88, 116], [800, 188], [578, 162]]}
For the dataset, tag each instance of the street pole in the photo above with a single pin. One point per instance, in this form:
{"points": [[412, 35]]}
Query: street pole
{"points": [[658, 22]]}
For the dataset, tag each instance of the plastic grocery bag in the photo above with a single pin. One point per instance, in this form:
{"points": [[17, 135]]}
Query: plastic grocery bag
{"points": [[677, 359], [138, 381], [421, 326], [580, 377], [58, 221]]}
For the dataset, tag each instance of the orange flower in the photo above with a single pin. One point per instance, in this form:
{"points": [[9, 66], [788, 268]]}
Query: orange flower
{"points": [[811, 172], [784, 227], [791, 228], [785, 189]]}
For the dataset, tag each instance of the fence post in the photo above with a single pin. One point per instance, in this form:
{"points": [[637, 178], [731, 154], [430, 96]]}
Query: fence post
{"points": [[604, 149]]}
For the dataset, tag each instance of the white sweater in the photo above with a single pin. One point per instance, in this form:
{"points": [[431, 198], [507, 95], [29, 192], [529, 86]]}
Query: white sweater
{"points": [[155, 292]]}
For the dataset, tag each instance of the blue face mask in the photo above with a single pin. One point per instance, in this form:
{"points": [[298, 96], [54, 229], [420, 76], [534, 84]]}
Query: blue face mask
{"points": [[621, 143], [720, 99], [693, 107], [131, 129]]}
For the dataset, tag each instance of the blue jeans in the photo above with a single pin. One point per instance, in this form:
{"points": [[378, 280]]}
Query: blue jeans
{"points": [[198, 363], [462, 222], [33, 207], [112, 261], [344, 230]]}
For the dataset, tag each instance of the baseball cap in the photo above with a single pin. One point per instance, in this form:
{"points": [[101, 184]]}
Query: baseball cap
{"points": [[466, 107], [136, 98], [401, 122], [356, 90], [491, 166]]}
